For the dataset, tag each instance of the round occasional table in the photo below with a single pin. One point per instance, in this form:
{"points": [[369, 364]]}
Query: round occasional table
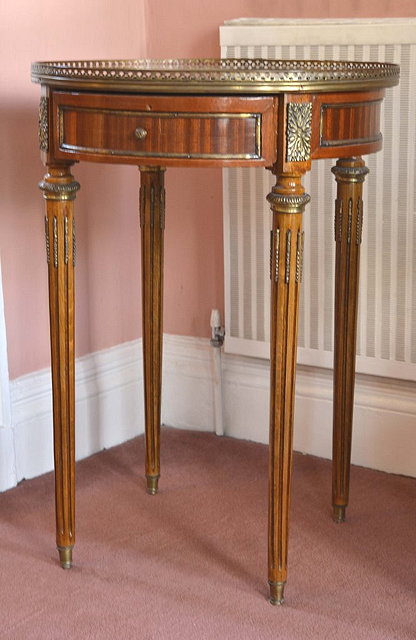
{"points": [[277, 114]]}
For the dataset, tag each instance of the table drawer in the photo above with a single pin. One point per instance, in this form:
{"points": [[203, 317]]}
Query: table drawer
{"points": [[160, 128]]}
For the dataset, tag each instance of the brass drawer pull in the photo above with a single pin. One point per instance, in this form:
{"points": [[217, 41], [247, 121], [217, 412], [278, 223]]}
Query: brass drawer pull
{"points": [[140, 133]]}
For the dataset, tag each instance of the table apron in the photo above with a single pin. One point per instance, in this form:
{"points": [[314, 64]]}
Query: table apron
{"points": [[165, 130]]}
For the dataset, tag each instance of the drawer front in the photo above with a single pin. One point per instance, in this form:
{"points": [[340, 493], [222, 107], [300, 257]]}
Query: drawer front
{"points": [[349, 124], [158, 128]]}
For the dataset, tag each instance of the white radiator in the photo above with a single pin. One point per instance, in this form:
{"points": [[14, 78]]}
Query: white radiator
{"points": [[387, 309]]}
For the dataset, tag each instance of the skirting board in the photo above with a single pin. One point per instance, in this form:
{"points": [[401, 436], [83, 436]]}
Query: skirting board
{"points": [[109, 408]]}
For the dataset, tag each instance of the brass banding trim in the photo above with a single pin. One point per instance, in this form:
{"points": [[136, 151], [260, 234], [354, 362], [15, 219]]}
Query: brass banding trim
{"points": [[152, 154], [285, 203], [350, 174], [223, 88], [59, 190], [352, 141]]}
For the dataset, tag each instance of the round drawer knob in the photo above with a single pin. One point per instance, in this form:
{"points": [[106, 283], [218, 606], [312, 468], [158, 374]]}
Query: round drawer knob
{"points": [[140, 133]]}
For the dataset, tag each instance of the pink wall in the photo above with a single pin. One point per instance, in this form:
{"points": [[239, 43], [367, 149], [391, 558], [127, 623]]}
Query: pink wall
{"points": [[186, 28], [108, 271], [37, 31]]}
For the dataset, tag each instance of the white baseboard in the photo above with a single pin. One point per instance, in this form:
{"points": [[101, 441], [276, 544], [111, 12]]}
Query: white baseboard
{"points": [[384, 435], [109, 408], [8, 477]]}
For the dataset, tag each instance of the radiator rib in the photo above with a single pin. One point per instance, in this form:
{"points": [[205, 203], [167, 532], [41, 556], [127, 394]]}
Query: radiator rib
{"points": [[386, 343]]}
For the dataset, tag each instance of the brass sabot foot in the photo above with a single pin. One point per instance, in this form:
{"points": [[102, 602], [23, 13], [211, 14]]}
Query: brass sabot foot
{"points": [[339, 513], [276, 592], [152, 484], [65, 557]]}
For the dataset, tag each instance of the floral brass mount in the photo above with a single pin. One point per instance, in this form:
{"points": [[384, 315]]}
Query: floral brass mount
{"points": [[298, 131]]}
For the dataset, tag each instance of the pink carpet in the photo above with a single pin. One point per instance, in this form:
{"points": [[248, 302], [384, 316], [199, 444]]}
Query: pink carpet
{"points": [[191, 561]]}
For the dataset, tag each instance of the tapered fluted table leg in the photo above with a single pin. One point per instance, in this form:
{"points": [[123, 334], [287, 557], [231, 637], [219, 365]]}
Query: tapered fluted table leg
{"points": [[349, 174], [152, 222], [59, 190], [287, 201]]}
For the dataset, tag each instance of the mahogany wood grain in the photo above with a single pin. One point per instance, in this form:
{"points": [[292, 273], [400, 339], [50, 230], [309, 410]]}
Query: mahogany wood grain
{"points": [[207, 131], [157, 130], [350, 124], [59, 190], [349, 174], [152, 223], [287, 201], [346, 124]]}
